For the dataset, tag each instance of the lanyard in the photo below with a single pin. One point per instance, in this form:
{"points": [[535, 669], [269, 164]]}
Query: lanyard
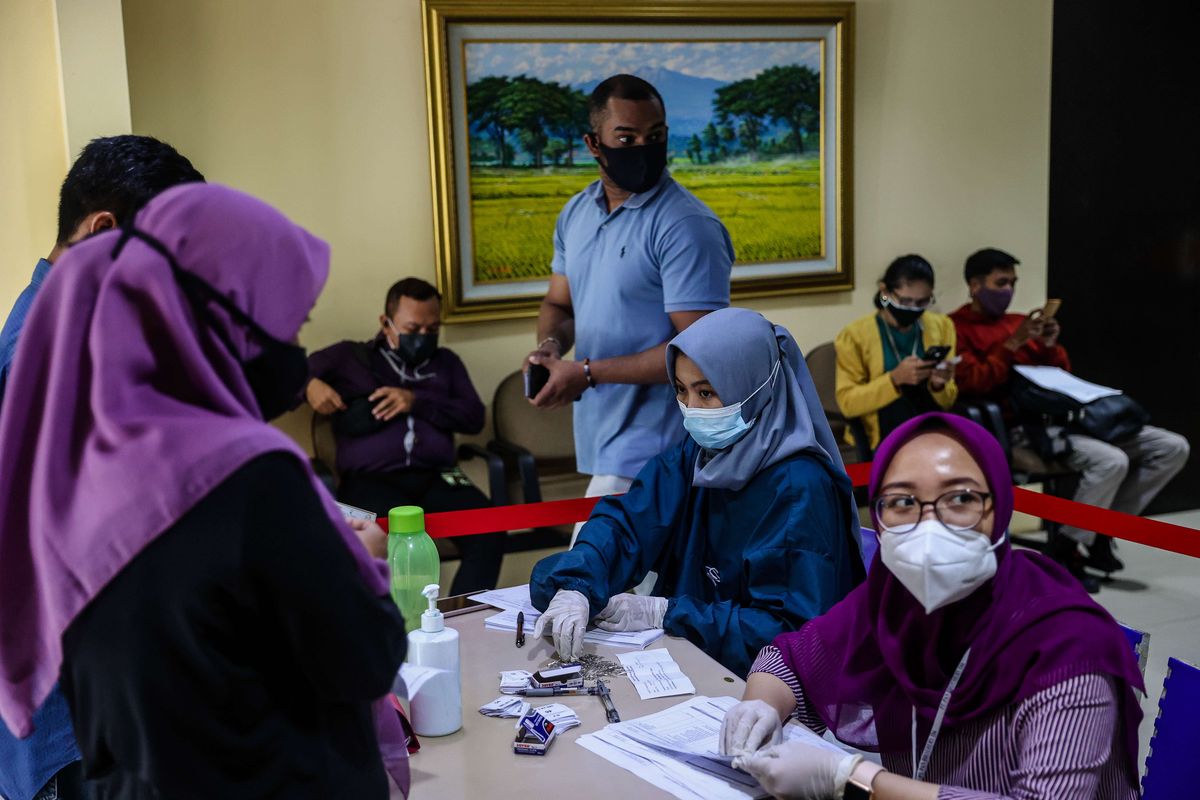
{"points": [[920, 767], [896, 350]]}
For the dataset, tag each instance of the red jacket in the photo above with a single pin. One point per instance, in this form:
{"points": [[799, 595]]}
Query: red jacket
{"points": [[984, 370]]}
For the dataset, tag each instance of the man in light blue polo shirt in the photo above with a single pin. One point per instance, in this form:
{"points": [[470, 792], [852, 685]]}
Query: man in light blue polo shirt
{"points": [[637, 258]]}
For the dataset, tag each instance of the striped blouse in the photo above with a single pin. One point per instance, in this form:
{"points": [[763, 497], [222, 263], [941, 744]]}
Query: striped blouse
{"points": [[1063, 742]]}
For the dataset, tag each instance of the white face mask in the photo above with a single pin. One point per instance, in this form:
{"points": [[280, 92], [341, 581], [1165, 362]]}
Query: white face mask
{"points": [[937, 565]]}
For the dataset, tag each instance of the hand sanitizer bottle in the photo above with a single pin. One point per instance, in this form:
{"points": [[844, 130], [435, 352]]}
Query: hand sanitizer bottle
{"points": [[437, 705]]}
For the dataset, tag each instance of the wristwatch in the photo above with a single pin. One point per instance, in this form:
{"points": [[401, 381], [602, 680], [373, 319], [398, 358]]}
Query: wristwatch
{"points": [[858, 785], [855, 790]]}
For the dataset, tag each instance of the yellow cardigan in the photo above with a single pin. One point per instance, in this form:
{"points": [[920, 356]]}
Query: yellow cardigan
{"points": [[863, 387]]}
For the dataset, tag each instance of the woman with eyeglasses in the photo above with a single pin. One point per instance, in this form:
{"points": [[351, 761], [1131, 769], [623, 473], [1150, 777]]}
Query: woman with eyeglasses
{"points": [[972, 669], [749, 523], [888, 369]]}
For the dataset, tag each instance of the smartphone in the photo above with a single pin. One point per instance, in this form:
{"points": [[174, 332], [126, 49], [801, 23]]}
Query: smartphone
{"points": [[937, 353], [535, 379], [1051, 308]]}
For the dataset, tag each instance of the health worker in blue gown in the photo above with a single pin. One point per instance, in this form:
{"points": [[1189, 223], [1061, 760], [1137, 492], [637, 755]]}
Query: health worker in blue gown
{"points": [[749, 523]]}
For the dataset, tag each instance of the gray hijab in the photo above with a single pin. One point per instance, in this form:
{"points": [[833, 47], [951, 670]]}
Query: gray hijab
{"points": [[737, 350]]}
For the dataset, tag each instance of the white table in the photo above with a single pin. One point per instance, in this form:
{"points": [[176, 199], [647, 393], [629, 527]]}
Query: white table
{"points": [[478, 761]]}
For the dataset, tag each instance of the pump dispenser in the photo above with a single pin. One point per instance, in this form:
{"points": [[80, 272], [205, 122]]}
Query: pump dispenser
{"points": [[437, 706]]}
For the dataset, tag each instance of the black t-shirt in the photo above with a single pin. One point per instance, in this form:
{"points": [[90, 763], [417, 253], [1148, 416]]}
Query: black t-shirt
{"points": [[236, 656]]}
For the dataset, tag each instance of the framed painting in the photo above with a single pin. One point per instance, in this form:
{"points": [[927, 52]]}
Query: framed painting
{"points": [[758, 100]]}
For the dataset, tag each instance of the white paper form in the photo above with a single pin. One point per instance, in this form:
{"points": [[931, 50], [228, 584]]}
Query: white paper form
{"points": [[655, 674], [1059, 380], [512, 598]]}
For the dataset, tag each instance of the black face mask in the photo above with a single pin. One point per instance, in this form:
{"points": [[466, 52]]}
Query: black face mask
{"points": [[634, 169], [903, 315], [277, 374], [415, 349]]}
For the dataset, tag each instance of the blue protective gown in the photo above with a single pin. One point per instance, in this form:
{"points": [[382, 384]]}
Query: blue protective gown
{"points": [[738, 567]]}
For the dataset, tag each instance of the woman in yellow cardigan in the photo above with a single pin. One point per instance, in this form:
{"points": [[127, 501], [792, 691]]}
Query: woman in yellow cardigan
{"points": [[883, 375]]}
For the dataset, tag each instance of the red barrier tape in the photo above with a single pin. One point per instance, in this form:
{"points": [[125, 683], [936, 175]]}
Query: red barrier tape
{"points": [[1162, 535]]}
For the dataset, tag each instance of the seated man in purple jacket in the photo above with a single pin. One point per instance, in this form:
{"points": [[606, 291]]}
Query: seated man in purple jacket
{"points": [[396, 403]]}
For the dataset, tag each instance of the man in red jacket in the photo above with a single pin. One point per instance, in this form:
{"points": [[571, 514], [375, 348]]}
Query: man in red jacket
{"points": [[1124, 476]]}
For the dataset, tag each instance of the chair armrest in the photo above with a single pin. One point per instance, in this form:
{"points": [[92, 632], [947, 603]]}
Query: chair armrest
{"points": [[497, 480], [531, 489]]}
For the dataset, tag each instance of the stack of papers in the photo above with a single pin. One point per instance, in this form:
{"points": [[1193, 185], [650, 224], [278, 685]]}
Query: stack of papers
{"points": [[677, 750], [514, 680], [505, 706], [1059, 380], [507, 621], [516, 599], [655, 674]]}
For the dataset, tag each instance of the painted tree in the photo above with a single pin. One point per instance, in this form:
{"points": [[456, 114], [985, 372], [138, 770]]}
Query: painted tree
{"points": [[695, 150], [523, 105], [790, 95], [712, 141], [739, 102], [484, 113]]}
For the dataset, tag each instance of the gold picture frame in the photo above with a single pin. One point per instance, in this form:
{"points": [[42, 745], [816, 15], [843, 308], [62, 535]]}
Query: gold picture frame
{"points": [[474, 175]]}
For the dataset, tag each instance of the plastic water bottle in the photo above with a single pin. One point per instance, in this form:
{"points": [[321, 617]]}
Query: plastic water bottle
{"points": [[437, 704], [413, 561]]}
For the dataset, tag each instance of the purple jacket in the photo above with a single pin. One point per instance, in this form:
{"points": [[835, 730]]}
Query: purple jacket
{"points": [[444, 403]]}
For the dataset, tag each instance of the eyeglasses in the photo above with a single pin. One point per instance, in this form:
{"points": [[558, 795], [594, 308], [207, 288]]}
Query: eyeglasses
{"points": [[958, 510], [908, 302]]}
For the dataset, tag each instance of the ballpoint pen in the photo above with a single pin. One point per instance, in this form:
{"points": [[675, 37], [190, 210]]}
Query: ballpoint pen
{"points": [[609, 709], [520, 629]]}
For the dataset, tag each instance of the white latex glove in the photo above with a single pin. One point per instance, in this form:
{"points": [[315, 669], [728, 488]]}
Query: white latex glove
{"points": [[749, 726], [799, 771], [632, 612], [569, 612]]}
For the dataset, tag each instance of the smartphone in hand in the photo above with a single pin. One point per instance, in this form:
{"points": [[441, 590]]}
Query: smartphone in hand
{"points": [[1051, 308], [937, 353], [535, 380]]}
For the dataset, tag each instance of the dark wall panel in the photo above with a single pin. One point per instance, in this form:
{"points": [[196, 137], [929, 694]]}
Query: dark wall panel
{"points": [[1124, 239]]}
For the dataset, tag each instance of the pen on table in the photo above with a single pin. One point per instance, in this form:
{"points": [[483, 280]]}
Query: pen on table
{"points": [[609, 709], [520, 629], [555, 691]]}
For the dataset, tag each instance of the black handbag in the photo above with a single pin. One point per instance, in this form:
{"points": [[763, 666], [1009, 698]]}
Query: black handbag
{"points": [[1109, 419]]}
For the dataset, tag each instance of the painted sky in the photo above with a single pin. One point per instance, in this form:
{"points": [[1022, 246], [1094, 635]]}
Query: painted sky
{"points": [[582, 62]]}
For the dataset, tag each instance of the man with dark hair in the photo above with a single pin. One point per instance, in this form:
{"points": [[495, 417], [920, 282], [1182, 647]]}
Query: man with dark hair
{"points": [[396, 403], [637, 258], [1124, 475], [106, 186], [110, 181]]}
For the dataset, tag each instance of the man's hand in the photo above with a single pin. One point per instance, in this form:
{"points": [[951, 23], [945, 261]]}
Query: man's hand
{"points": [[1030, 327], [567, 381], [392, 401], [943, 373], [371, 535], [911, 371], [322, 397], [1050, 331]]}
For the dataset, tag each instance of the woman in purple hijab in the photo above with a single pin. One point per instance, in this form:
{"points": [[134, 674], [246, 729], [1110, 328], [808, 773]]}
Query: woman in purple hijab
{"points": [[972, 669], [219, 629]]}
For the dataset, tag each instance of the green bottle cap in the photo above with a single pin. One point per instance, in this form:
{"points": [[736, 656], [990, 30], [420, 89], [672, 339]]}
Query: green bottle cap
{"points": [[406, 519]]}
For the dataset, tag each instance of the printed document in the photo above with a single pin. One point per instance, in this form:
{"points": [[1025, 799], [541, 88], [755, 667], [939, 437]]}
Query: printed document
{"points": [[1059, 380], [655, 674]]}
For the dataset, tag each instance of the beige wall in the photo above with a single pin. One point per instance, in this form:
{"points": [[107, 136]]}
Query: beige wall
{"points": [[33, 142], [319, 107]]}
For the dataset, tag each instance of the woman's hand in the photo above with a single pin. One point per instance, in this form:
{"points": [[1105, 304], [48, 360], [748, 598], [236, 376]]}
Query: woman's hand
{"points": [[749, 726], [632, 612], [568, 612], [371, 535], [799, 771]]}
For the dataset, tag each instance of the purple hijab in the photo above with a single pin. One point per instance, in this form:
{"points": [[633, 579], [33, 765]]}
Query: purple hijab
{"points": [[121, 414], [876, 655]]}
